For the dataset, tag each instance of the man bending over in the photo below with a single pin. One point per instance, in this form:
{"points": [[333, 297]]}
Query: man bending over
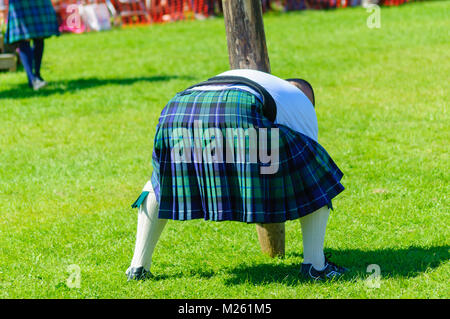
{"points": [[211, 160]]}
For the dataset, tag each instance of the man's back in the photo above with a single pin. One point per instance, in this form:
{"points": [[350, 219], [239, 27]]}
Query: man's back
{"points": [[294, 109], [279, 175]]}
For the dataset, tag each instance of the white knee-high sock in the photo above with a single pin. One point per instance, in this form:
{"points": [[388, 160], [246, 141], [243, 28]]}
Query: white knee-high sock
{"points": [[149, 230], [313, 230]]}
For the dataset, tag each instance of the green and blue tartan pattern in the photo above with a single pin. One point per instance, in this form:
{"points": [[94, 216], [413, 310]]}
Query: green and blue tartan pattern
{"points": [[30, 19], [307, 177]]}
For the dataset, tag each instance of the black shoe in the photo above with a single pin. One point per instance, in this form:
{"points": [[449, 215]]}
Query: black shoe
{"points": [[331, 270], [139, 273]]}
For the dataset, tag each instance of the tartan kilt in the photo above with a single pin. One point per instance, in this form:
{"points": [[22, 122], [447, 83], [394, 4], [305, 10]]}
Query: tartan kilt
{"points": [[30, 19], [195, 187]]}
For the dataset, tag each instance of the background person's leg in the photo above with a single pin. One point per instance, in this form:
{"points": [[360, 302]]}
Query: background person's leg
{"points": [[38, 51], [26, 57], [313, 230], [149, 230]]}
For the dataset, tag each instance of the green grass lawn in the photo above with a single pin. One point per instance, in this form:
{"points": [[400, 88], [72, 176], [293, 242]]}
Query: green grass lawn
{"points": [[75, 155]]}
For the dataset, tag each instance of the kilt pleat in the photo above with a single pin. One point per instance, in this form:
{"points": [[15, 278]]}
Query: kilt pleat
{"points": [[307, 178], [30, 19]]}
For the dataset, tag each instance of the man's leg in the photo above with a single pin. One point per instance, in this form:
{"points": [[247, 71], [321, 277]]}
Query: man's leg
{"points": [[313, 230], [149, 230], [315, 265], [38, 51], [26, 57]]}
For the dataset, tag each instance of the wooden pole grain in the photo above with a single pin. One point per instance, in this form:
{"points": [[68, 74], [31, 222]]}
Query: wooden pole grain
{"points": [[247, 49]]}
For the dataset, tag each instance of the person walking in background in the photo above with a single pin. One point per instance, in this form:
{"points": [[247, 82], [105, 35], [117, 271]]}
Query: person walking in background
{"points": [[31, 20]]}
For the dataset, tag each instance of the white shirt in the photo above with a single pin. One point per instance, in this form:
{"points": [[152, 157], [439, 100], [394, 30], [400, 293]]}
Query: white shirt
{"points": [[294, 109]]}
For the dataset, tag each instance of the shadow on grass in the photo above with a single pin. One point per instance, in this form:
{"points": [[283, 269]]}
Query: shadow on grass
{"points": [[59, 87], [194, 273], [407, 263]]}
